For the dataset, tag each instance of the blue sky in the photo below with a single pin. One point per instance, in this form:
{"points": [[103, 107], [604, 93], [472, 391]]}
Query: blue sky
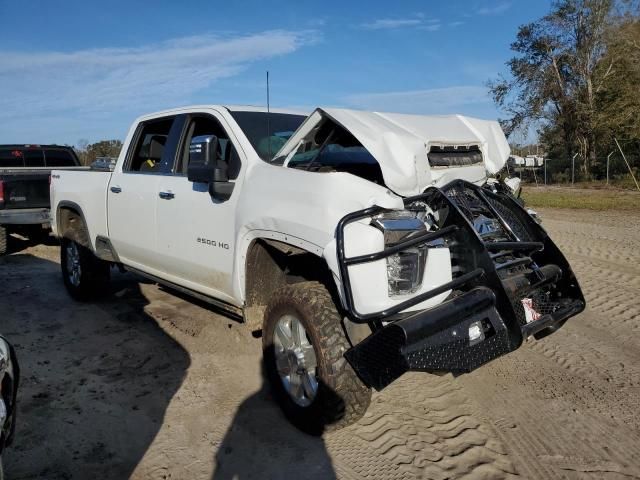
{"points": [[72, 70]]}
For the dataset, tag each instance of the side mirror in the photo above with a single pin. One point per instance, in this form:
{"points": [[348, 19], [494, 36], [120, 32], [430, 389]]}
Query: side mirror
{"points": [[206, 166]]}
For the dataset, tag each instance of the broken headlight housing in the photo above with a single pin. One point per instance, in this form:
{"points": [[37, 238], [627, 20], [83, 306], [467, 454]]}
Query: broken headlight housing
{"points": [[405, 269]]}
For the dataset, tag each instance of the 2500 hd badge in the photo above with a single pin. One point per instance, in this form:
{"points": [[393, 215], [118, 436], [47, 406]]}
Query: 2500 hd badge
{"points": [[213, 243]]}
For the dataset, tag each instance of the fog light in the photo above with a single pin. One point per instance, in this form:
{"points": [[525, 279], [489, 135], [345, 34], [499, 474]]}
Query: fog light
{"points": [[476, 333]]}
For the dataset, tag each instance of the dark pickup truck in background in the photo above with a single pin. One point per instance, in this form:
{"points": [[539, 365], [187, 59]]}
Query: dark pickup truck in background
{"points": [[24, 187]]}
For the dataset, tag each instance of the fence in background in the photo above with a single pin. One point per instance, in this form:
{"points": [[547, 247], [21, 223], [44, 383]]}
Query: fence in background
{"points": [[611, 169]]}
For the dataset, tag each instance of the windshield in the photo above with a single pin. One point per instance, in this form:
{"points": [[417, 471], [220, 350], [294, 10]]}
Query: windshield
{"points": [[267, 132], [331, 148]]}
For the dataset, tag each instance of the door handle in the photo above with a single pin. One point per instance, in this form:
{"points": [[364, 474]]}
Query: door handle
{"points": [[116, 189], [166, 195]]}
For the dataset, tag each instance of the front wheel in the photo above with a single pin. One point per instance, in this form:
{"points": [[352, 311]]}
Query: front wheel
{"points": [[304, 346]]}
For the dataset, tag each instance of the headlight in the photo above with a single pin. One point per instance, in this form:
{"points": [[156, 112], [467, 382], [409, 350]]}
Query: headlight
{"points": [[405, 269]]}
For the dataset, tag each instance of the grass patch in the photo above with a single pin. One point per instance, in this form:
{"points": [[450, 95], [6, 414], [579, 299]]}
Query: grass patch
{"points": [[577, 198]]}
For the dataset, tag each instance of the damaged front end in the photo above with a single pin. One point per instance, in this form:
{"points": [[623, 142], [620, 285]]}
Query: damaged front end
{"points": [[509, 282]]}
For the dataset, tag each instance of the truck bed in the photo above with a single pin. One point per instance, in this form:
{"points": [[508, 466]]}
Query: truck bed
{"points": [[26, 188], [86, 188]]}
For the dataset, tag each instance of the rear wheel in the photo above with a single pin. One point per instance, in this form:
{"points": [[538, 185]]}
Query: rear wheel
{"points": [[4, 239], [85, 276], [304, 346]]}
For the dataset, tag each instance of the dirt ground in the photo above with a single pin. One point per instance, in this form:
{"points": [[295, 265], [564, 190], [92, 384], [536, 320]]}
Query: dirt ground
{"points": [[151, 385]]}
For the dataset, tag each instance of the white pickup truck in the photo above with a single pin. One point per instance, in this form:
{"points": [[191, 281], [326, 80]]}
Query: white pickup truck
{"points": [[364, 245]]}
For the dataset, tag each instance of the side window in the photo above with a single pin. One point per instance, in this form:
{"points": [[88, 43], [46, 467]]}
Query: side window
{"points": [[33, 157], [58, 158], [208, 125], [146, 155], [11, 158]]}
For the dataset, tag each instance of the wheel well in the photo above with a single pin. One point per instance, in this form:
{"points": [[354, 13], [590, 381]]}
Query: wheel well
{"points": [[70, 219], [273, 264]]}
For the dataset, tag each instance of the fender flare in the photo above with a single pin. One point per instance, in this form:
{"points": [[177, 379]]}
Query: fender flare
{"points": [[249, 238]]}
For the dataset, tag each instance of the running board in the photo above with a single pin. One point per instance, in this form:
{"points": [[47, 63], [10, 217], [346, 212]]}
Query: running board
{"points": [[232, 310]]}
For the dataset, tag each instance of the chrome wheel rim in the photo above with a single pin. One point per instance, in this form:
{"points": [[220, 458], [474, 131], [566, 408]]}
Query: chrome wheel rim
{"points": [[74, 270], [296, 360]]}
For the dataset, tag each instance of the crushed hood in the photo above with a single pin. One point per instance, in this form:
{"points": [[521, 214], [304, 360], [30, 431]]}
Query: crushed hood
{"points": [[400, 143]]}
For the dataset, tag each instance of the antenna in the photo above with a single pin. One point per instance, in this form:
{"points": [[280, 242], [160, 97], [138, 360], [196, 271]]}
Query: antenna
{"points": [[268, 118]]}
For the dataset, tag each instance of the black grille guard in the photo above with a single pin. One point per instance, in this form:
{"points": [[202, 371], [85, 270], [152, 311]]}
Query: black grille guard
{"points": [[482, 290]]}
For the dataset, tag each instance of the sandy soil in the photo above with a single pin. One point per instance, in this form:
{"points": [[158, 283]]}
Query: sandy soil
{"points": [[150, 385]]}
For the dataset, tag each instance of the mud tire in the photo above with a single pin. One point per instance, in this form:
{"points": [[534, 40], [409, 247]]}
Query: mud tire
{"points": [[342, 398]]}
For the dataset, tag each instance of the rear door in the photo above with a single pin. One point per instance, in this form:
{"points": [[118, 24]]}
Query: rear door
{"points": [[132, 194]]}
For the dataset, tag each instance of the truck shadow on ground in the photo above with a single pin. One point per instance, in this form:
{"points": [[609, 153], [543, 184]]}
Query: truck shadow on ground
{"points": [[260, 443], [97, 378]]}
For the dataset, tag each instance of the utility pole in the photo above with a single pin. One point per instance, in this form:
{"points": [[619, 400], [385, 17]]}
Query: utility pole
{"points": [[544, 160], [573, 169]]}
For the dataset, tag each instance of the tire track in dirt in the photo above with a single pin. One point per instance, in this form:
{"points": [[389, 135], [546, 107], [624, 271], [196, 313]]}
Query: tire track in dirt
{"points": [[566, 406], [605, 259], [550, 418], [422, 427]]}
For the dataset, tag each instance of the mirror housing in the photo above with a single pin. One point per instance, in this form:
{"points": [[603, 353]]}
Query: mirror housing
{"points": [[204, 165], [207, 166]]}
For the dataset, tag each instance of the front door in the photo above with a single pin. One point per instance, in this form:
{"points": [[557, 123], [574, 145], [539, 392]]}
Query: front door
{"points": [[195, 232]]}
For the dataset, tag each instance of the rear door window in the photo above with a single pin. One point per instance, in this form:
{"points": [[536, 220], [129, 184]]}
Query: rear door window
{"points": [[148, 153], [11, 158], [59, 158]]}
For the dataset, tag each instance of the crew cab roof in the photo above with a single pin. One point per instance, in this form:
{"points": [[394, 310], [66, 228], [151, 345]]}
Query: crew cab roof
{"points": [[230, 108]]}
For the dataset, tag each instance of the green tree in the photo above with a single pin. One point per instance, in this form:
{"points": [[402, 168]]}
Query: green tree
{"points": [[104, 148], [557, 73]]}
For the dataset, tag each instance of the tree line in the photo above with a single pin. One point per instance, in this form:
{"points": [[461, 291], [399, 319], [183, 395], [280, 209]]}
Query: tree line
{"points": [[574, 79], [88, 152]]}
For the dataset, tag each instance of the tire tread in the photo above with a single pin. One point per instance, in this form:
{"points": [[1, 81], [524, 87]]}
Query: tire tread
{"points": [[352, 397]]}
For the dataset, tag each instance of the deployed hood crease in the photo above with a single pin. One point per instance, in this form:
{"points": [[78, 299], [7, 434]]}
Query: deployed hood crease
{"points": [[400, 143]]}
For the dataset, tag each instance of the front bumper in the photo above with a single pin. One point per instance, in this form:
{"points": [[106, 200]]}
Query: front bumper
{"points": [[25, 216], [437, 340], [494, 283]]}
